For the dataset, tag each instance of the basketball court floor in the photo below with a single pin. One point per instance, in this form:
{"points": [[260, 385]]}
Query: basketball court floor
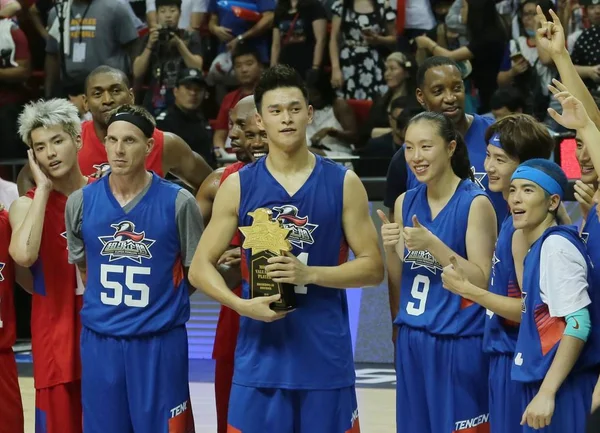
{"points": [[375, 387]]}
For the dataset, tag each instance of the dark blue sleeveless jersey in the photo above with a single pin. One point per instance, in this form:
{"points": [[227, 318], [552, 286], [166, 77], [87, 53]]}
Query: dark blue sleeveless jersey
{"points": [[311, 347], [540, 333], [477, 147], [501, 334], [424, 303], [135, 282]]}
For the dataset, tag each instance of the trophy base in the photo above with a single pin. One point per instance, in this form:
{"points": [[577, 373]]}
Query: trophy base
{"points": [[261, 285]]}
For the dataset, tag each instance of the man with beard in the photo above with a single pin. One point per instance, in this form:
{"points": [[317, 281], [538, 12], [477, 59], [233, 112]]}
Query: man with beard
{"points": [[250, 143], [106, 89]]}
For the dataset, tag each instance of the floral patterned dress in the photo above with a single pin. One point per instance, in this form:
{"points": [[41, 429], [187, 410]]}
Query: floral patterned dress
{"points": [[362, 66]]}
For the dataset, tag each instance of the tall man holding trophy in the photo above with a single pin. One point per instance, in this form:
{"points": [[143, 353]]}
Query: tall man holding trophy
{"points": [[299, 214]]}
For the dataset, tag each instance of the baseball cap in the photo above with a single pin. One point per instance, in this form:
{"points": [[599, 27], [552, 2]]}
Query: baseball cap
{"points": [[190, 75]]}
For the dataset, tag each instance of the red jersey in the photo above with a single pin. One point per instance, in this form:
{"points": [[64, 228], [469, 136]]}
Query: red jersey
{"points": [[8, 324], [229, 101], [92, 155], [229, 321], [56, 302], [233, 168]]}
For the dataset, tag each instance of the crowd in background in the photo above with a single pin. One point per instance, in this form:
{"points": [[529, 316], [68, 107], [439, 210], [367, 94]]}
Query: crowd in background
{"points": [[191, 61]]}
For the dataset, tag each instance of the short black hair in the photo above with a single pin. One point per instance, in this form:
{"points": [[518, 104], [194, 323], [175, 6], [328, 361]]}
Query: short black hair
{"points": [[277, 77], [319, 80], [407, 113], [509, 97], [74, 86], [244, 49], [160, 3], [434, 62], [105, 69]]}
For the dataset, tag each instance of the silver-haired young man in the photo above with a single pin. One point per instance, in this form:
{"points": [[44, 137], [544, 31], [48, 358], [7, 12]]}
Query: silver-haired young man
{"points": [[51, 129]]}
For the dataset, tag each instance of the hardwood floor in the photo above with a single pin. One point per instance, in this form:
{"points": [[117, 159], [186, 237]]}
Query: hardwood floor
{"points": [[376, 407]]}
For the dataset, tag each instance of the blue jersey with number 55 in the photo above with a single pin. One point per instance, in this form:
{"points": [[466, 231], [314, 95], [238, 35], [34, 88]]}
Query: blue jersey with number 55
{"points": [[135, 281], [424, 303], [311, 347]]}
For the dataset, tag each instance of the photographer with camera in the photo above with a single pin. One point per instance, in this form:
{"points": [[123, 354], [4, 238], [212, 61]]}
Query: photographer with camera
{"points": [[166, 51]]}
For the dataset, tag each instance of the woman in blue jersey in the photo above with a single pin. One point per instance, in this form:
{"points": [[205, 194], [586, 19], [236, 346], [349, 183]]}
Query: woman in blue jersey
{"points": [[555, 366], [440, 367], [511, 140]]}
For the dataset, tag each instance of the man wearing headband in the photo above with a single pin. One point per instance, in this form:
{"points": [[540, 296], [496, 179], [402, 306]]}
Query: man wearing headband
{"points": [[250, 144], [556, 355], [511, 140], [106, 89], [51, 129], [133, 235]]}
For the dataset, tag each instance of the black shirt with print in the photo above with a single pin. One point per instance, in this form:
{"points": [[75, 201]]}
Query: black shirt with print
{"points": [[297, 44]]}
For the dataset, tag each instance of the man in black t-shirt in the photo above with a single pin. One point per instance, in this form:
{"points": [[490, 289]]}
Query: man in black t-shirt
{"points": [[185, 119]]}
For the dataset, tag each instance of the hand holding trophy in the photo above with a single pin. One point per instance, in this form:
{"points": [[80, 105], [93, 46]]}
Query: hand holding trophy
{"points": [[267, 238]]}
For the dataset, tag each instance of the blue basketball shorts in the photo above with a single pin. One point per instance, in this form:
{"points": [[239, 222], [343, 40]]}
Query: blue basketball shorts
{"points": [[135, 385], [505, 407], [441, 383], [572, 404], [262, 410]]}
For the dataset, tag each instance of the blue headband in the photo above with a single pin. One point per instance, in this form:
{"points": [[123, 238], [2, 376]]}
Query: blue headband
{"points": [[495, 141], [545, 181]]}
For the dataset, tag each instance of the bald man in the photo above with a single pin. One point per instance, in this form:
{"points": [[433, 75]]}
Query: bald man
{"points": [[249, 143]]}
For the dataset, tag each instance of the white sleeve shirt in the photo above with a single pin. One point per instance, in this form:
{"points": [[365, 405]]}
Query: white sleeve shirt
{"points": [[563, 277]]}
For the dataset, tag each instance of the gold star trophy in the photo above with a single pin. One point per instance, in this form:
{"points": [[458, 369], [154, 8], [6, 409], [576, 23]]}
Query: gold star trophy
{"points": [[267, 238]]}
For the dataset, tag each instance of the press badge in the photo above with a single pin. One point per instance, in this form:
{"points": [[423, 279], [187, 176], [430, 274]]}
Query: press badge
{"points": [[78, 52]]}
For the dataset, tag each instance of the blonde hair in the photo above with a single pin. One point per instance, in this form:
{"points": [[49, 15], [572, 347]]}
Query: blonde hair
{"points": [[47, 114]]}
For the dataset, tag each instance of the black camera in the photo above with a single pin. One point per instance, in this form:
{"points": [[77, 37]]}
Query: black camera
{"points": [[165, 34], [5, 58]]}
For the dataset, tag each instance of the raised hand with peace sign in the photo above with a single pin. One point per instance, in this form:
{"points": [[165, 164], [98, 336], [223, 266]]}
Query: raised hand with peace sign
{"points": [[551, 35]]}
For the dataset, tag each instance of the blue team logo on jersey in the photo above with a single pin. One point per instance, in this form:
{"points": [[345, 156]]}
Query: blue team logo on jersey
{"points": [[479, 176], [301, 229], [126, 243], [104, 167], [2, 265], [585, 236], [423, 259], [523, 299]]}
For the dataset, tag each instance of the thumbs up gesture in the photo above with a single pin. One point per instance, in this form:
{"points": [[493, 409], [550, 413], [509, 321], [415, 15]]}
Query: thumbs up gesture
{"points": [[417, 237], [390, 232], [454, 277]]}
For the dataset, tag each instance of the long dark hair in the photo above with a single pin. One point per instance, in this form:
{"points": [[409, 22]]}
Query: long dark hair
{"points": [[461, 165], [484, 23]]}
